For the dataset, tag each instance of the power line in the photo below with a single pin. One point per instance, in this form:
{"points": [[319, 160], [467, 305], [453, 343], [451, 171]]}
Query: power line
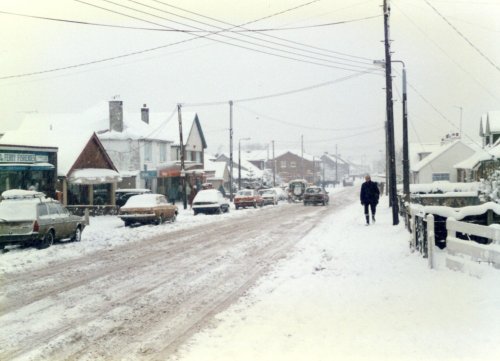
{"points": [[288, 92], [295, 124], [80, 22], [452, 59], [233, 38], [334, 139], [267, 35], [138, 52], [463, 36]]}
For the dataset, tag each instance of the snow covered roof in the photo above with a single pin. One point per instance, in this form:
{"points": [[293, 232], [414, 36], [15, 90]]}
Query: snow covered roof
{"points": [[70, 143], [189, 122], [434, 155], [334, 158], [217, 167], [474, 160], [416, 149]]}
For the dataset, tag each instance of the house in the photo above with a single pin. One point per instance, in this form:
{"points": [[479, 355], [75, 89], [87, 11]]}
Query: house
{"points": [[439, 164], [334, 168], [86, 174], [290, 165]]}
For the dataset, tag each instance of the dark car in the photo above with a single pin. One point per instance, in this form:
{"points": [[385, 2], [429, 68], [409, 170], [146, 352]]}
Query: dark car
{"points": [[29, 218], [122, 195], [315, 195]]}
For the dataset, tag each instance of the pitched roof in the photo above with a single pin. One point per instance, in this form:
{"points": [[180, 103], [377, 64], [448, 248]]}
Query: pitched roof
{"points": [[493, 122], [443, 149]]}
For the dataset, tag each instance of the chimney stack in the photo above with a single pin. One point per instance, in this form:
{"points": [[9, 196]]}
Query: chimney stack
{"points": [[145, 114], [116, 115]]}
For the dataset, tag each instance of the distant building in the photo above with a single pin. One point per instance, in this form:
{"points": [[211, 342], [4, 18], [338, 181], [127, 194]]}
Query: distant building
{"points": [[290, 165], [334, 168]]}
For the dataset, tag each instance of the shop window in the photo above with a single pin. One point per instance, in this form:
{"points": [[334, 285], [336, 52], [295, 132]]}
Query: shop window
{"points": [[283, 164], [101, 194], [293, 164]]}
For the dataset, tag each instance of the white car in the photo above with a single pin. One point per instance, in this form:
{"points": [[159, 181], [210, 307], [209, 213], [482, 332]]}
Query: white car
{"points": [[269, 196], [210, 201]]}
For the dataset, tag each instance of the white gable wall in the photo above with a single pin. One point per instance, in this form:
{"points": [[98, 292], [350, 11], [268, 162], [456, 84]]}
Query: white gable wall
{"points": [[444, 163]]}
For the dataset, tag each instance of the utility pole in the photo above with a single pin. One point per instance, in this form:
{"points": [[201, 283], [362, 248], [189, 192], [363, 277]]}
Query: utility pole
{"points": [[390, 117], [302, 156], [231, 150], [406, 152], [274, 168], [183, 171]]}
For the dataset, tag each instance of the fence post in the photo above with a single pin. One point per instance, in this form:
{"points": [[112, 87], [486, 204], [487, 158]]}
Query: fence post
{"points": [[430, 240], [87, 217], [413, 244]]}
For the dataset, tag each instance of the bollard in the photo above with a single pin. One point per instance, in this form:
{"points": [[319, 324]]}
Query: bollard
{"points": [[430, 240]]}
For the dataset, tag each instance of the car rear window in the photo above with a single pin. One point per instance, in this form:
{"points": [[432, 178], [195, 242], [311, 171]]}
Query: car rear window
{"points": [[17, 210]]}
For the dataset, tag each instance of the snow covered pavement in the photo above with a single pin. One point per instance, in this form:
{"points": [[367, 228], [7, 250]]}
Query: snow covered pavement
{"points": [[350, 292]]}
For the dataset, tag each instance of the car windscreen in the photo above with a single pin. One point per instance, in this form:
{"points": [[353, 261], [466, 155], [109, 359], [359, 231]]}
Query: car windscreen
{"points": [[313, 190], [245, 193], [18, 210]]}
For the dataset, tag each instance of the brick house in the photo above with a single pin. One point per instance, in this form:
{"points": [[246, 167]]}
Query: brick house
{"points": [[291, 166]]}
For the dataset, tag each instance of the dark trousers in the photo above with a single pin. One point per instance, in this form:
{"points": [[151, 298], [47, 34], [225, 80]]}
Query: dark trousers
{"points": [[373, 208]]}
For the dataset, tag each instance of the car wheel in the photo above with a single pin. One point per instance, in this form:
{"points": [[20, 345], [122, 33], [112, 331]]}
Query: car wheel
{"points": [[77, 237], [255, 205], [195, 213], [127, 223], [159, 220], [227, 210], [324, 203], [305, 203], [219, 210], [173, 218], [47, 240], [237, 207]]}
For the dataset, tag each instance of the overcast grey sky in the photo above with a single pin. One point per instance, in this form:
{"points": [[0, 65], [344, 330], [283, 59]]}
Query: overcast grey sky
{"points": [[445, 71]]}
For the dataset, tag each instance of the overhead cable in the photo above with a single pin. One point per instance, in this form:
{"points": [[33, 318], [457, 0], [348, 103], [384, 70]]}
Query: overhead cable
{"points": [[126, 55], [80, 22], [220, 33], [463, 36]]}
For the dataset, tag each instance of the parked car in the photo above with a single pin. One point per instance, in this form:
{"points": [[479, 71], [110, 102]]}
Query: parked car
{"points": [[269, 196], [29, 218], [210, 201], [122, 195], [148, 208], [315, 195], [248, 198]]}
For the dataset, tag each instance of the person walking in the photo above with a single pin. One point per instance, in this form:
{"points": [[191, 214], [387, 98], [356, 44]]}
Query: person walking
{"points": [[369, 198]]}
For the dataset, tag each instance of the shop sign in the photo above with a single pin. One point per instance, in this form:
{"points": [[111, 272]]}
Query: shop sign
{"points": [[23, 158], [148, 174]]}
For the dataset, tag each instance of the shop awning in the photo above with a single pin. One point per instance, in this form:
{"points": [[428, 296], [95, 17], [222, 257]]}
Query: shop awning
{"points": [[25, 166], [94, 176], [174, 169]]}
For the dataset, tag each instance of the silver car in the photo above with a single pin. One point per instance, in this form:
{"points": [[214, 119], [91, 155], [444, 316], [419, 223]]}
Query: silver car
{"points": [[28, 218]]}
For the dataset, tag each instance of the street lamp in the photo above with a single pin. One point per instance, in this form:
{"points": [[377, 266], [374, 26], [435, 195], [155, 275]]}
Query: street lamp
{"points": [[406, 161], [239, 161]]}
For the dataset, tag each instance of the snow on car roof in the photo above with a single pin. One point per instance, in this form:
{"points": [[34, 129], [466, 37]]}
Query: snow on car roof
{"points": [[21, 194], [142, 200], [207, 195]]}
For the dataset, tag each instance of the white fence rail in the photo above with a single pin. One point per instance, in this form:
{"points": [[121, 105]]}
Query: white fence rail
{"points": [[461, 252]]}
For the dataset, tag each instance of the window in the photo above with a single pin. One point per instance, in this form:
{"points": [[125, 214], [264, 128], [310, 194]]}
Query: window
{"points": [[148, 152], [293, 164], [283, 164], [440, 177], [163, 152]]}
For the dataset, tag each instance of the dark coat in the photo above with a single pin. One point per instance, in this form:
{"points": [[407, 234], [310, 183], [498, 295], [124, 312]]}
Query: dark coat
{"points": [[369, 193]]}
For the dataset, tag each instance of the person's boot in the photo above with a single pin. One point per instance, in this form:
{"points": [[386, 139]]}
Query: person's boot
{"points": [[373, 218], [367, 220]]}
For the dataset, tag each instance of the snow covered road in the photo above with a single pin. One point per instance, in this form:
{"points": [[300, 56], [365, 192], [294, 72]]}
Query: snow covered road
{"points": [[141, 299]]}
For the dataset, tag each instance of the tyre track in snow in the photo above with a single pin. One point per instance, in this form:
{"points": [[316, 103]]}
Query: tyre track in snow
{"points": [[136, 312]]}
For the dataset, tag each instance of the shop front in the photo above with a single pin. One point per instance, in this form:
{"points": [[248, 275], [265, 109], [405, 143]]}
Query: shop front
{"points": [[170, 180], [28, 167]]}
